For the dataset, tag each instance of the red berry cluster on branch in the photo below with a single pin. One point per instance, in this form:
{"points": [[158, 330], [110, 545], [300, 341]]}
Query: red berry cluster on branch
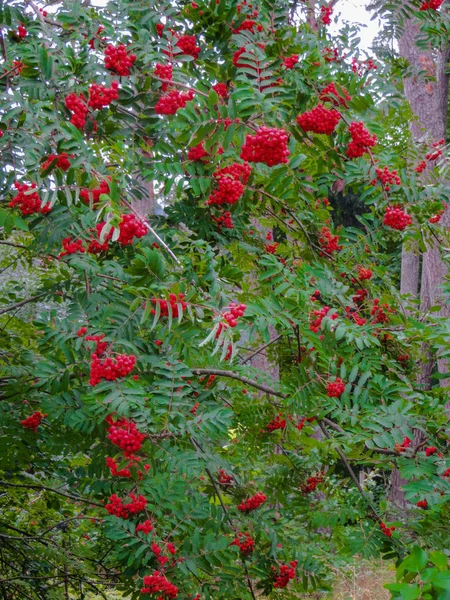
{"points": [[86, 194], [197, 152], [431, 4], [396, 218], [361, 140], [387, 178], [279, 422], [380, 312], [173, 101], [268, 146], [303, 422], [320, 315], [61, 161], [188, 45], [333, 96], [221, 89], [284, 574], [335, 388], [325, 14], [231, 317], [364, 273], [406, 443], [422, 504], [312, 483], [101, 96], [172, 302], [319, 120], [386, 530], [116, 507], [71, 247], [115, 471], [124, 434], [252, 503], [231, 181], [100, 346], [223, 478], [430, 450], [146, 527], [91, 42], [28, 202], [244, 542], [164, 72], [352, 313], [77, 105], [290, 61], [156, 583], [224, 220], [111, 368], [33, 421], [21, 31], [118, 60], [130, 227], [359, 67], [328, 242]]}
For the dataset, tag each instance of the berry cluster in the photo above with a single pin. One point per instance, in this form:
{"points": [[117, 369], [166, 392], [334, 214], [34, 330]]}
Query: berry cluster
{"points": [[172, 302], [118, 60], [21, 31], [160, 28], [231, 316], [91, 42], [335, 388], [86, 194], [332, 55], [172, 101], [364, 273], [221, 89], [100, 96], [406, 443], [380, 312], [387, 178], [231, 181], [164, 72], [386, 530], [130, 227], [252, 503], [268, 146], [320, 315], [359, 297], [117, 508], [312, 483], [224, 220], [33, 421], [437, 217], [146, 527], [77, 105], [352, 313], [100, 346], [244, 542], [29, 203], [325, 14], [421, 167], [290, 61], [125, 472], [396, 218], [284, 574], [156, 583], [111, 368], [277, 423], [303, 422], [361, 140], [359, 67], [248, 25], [333, 96], [124, 434], [60, 161], [430, 450], [238, 53], [197, 152], [188, 45], [319, 120], [328, 242], [223, 477], [71, 247], [422, 504], [431, 4]]}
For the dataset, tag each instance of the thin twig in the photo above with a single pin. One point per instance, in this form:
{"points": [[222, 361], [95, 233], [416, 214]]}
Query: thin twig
{"points": [[49, 489], [246, 380]]}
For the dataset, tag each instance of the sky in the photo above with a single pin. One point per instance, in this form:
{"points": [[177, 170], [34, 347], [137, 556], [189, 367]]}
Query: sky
{"points": [[354, 11]]}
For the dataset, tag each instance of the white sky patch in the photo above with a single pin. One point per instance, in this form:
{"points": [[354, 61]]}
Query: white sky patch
{"points": [[355, 12]]}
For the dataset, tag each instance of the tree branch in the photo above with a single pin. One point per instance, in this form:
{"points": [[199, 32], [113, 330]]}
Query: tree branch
{"points": [[246, 380], [49, 489], [22, 303]]}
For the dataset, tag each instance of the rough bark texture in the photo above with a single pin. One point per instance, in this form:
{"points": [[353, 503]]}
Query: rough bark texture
{"points": [[427, 94]]}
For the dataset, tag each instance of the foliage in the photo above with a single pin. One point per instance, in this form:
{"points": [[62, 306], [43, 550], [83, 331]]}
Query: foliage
{"points": [[212, 436]]}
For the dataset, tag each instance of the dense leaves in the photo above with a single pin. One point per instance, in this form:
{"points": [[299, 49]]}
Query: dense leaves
{"points": [[144, 444]]}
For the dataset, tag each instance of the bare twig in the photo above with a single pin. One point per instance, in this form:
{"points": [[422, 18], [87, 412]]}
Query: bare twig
{"points": [[49, 489], [246, 380]]}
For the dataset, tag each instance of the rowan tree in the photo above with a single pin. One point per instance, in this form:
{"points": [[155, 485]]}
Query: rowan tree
{"points": [[141, 448]]}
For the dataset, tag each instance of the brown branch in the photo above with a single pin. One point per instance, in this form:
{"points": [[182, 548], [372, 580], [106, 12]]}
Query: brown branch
{"points": [[49, 489], [13, 245], [232, 375], [253, 354], [22, 303], [178, 84], [350, 470]]}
